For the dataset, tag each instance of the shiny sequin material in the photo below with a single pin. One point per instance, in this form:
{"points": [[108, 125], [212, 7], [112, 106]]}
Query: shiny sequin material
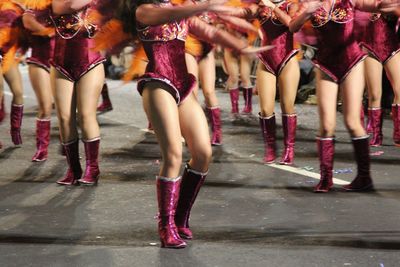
{"points": [[338, 51], [165, 48], [277, 34], [42, 46], [74, 55], [341, 11], [380, 38]]}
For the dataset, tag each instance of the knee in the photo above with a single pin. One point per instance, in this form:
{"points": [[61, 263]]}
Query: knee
{"points": [[233, 80], [353, 125], [201, 158], [327, 129], [64, 119], [173, 158], [266, 111], [45, 112], [86, 118], [209, 94]]}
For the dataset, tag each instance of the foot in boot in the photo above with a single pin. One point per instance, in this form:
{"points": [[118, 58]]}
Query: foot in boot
{"points": [[42, 140], [17, 112], [191, 183], [105, 106], [40, 155], [70, 178], [74, 172], [323, 186], [92, 171], [360, 184], [248, 105], [168, 191], [288, 156], [214, 117]]}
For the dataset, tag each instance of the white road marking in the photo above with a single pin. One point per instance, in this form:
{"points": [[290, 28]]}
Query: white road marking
{"points": [[305, 173]]}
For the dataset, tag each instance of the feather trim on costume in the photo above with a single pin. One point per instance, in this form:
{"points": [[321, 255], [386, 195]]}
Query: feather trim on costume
{"points": [[138, 64], [193, 46], [9, 59], [37, 4], [111, 37]]}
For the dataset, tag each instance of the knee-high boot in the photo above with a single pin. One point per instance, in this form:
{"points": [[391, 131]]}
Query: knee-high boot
{"points": [[92, 171], [214, 116], [289, 123], [234, 94], [42, 139], [167, 196], [375, 120], [268, 130], [191, 183], [2, 110], [74, 171], [106, 104], [248, 104], [396, 124], [326, 151], [363, 180], [17, 113]]}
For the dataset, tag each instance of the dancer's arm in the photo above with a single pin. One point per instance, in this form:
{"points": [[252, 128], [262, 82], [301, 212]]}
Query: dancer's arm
{"points": [[150, 14], [211, 34], [304, 13], [239, 24], [68, 6], [385, 6], [281, 15], [31, 24]]}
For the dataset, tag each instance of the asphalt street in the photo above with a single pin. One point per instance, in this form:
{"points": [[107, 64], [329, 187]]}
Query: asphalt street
{"points": [[247, 214]]}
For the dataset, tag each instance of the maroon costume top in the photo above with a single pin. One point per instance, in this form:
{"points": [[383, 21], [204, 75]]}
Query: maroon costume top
{"points": [[73, 52], [380, 38], [9, 18], [277, 34], [338, 51], [206, 46], [42, 46], [165, 48]]}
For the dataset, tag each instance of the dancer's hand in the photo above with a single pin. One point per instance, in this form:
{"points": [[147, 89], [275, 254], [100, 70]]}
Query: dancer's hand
{"points": [[269, 4], [251, 50], [311, 6], [221, 9], [388, 6]]}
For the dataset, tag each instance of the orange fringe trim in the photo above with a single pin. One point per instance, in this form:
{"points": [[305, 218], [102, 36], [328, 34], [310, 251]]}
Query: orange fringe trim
{"points": [[193, 46], [110, 35], [37, 4], [138, 64], [9, 59], [5, 36]]}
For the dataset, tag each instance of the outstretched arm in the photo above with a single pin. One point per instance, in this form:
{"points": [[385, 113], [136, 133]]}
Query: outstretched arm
{"points": [[68, 6], [303, 14], [386, 6], [31, 24], [238, 24], [149, 14], [211, 34], [281, 15]]}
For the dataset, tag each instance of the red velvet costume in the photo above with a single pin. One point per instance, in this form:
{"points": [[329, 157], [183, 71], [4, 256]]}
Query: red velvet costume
{"points": [[380, 38], [276, 34], [42, 46], [73, 52], [202, 48], [165, 48], [338, 51]]}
